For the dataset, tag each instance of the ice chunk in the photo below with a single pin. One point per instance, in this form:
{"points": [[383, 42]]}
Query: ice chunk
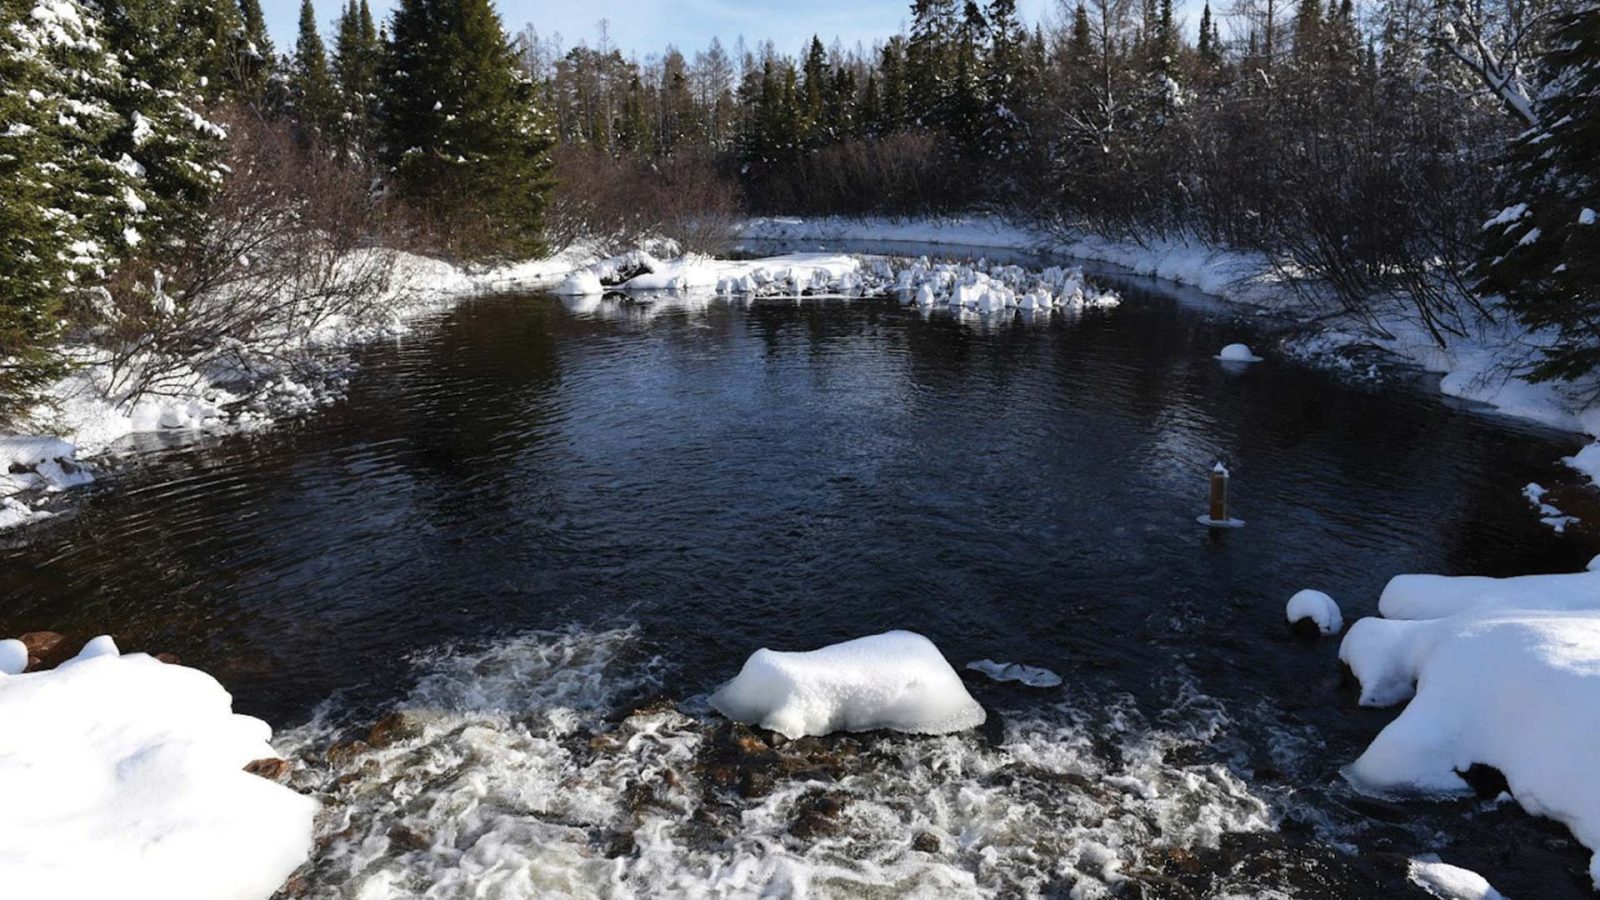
{"points": [[124, 777], [1449, 882], [1319, 608], [1238, 353], [1032, 676], [897, 680]]}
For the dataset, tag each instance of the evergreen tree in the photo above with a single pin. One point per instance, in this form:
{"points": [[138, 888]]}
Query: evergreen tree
{"points": [[161, 129], [355, 66], [256, 54], [965, 115], [1009, 80], [931, 62], [815, 88], [1542, 252], [460, 129], [1206, 49], [1308, 32], [894, 106], [316, 102]]}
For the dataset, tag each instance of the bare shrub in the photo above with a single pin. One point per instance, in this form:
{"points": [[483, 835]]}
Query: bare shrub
{"points": [[907, 173], [289, 243], [616, 201]]}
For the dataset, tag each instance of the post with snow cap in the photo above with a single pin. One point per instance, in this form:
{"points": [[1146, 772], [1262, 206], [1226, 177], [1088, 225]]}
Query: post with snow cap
{"points": [[1218, 516]]}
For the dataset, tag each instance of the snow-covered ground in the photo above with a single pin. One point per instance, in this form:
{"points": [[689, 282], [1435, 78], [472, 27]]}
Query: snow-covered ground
{"points": [[1502, 672], [124, 776]]}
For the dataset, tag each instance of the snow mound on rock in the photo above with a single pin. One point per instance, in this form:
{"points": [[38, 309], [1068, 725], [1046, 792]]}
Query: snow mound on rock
{"points": [[897, 680], [1319, 608], [124, 777], [1515, 689], [581, 283], [1238, 353]]}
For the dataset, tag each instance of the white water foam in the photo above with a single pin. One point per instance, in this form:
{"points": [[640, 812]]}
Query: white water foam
{"points": [[517, 778]]}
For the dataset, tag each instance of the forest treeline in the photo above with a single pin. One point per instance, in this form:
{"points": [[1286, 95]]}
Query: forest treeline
{"points": [[162, 159]]}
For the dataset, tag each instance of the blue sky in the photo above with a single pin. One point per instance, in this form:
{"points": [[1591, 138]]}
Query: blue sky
{"points": [[646, 27]]}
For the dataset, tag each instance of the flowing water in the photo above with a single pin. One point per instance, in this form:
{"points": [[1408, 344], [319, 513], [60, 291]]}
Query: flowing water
{"points": [[544, 531]]}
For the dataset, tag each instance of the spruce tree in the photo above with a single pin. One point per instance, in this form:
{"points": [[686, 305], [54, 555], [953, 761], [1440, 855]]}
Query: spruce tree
{"points": [[161, 128], [461, 132], [256, 55], [1009, 80], [68, 215], [1542, 251], [355, 67], [894, 105], [316, 102], [931, 62]]}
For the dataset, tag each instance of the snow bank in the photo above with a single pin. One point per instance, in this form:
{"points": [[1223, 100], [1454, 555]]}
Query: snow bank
{"points": [[1449, 882], [1503, 672], [1318, 608], [897, 680], [1032, 676], [124, 777]]}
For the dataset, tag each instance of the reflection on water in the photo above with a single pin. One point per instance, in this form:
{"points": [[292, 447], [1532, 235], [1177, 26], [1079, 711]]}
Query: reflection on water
{"points": [[726, 475]]}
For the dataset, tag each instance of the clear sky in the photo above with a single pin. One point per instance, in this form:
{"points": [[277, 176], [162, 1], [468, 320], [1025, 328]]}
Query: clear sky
{"points": [[646, 27]]}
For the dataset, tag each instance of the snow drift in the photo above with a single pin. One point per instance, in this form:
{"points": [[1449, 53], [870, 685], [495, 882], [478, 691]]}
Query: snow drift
{"points": [[898, 680], [124, 777]]}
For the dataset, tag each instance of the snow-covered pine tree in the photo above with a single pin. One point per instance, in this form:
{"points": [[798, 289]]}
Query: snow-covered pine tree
{"points": [[355, 67], [315, 100], [1542, 251], [161, 127], [67, 214], [257, 57], [460, 127], [894, 105], [1009, 83], [931, 62]]}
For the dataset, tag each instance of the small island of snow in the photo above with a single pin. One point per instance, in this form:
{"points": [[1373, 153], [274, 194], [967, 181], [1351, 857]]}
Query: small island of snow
{"points": [[897, 681]]}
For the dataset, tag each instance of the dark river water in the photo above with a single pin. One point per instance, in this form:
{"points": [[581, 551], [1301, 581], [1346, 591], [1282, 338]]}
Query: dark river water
{"points": [[646, 493]]}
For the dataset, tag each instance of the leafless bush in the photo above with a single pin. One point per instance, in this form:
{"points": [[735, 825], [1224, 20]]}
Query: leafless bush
{"points": [[289, 243], [906, 173], [618, 200]]}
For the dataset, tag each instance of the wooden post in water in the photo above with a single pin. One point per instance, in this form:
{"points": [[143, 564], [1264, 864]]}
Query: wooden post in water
{"points": [[1219, 493]]}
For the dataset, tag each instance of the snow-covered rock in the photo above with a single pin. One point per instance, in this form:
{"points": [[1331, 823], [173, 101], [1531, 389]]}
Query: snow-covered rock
{"points": [[897, 680], [1503, 672], [1032, 676], [1238, 353], [124, 777], [1318, 608]]}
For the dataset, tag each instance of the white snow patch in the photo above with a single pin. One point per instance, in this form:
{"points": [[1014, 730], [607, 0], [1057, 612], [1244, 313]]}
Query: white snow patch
{"points": [[1439, 596], [1319, 608], [124, 777], [897, 680]]}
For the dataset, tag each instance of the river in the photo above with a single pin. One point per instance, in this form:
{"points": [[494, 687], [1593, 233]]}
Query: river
{"points": [[532, 517]]}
